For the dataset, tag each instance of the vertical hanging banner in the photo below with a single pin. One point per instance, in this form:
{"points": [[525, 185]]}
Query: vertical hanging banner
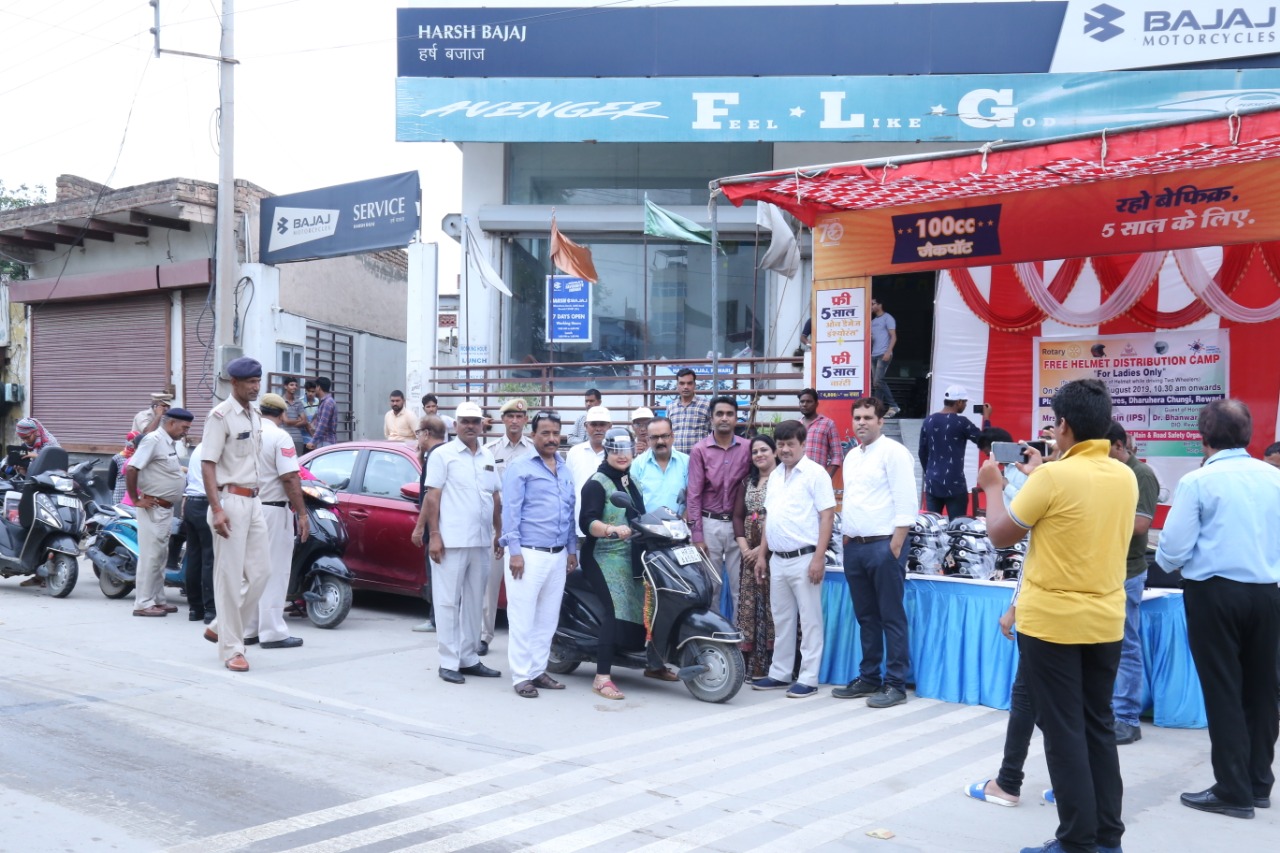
{"points": [[839, 340], [1158, 381], [568, 310]]}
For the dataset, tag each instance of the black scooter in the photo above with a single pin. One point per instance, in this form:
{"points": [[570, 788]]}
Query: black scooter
{"points": [[43, 541], [686, 630], [319, 581]]}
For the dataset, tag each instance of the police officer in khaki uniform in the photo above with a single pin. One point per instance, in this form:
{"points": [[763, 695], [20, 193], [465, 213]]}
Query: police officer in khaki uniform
{"points": [[278, 490], [230, 462], [155, 480]]}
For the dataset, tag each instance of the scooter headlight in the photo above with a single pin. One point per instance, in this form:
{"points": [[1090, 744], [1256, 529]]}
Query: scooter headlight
{"points": [[321, 493], [63, 484]]}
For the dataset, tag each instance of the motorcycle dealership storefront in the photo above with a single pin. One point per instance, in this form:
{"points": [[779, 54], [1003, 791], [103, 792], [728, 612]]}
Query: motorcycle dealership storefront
{"points": [[585, 117]]}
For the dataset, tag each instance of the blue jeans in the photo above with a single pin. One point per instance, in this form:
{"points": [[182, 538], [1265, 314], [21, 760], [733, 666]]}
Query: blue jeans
{"points": [[879, 387], [1126, 702], [876, 585]]}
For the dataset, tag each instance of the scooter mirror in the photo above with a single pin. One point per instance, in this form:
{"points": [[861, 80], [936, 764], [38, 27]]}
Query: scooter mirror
{"points": [[622, 500]]}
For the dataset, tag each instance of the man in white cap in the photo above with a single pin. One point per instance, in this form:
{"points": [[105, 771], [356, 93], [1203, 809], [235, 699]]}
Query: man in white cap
{"points": [[155, 481], [942, 440], [640, 427], [583, 459], [279, 488], [513, 445], [464, 514]]}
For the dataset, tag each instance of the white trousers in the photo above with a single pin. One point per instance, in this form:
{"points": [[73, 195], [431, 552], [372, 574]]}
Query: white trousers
{"points": [[457, 593], [497, 571], [268, 623], [533, 609], [722, 548], [795, 602], [153, 552], [240, 570]]}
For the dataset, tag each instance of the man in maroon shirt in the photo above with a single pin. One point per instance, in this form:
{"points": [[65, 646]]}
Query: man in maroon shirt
{"points": [[717, 466]]}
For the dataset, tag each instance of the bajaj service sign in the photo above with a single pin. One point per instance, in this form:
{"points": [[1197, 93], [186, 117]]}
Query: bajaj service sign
{"points": [[1100, 36], [381, 213]]}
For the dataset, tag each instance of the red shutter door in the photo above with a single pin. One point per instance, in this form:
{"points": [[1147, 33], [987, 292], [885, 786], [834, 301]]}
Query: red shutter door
{"points": [[94, 366], [199, 377]]}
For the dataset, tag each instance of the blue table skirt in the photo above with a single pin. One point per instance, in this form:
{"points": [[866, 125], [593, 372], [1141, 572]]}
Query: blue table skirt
{"points": [[959, 655]]}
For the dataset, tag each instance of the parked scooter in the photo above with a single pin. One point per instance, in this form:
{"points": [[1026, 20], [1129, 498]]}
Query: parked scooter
{"points": [[686, 630], [43, 539], [114, 550], [319, 581]]}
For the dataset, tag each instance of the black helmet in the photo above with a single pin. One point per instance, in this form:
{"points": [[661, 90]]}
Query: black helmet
{"points": [[618, 440]]}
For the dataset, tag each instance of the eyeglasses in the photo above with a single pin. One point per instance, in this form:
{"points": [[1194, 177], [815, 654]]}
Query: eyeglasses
{"points": [[420, 431]]}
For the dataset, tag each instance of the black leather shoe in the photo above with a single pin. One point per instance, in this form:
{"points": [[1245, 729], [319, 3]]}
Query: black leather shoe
{"points": [[854, 689], [194, 617], [452, 676], [481, 670], [1207, 801], [251, 641], [1126, 734], [286, 643], [484, 649], [1262, 802]]}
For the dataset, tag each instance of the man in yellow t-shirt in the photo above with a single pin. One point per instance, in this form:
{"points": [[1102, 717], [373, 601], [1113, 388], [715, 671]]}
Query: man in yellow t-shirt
{"points": [[1071, 604]]}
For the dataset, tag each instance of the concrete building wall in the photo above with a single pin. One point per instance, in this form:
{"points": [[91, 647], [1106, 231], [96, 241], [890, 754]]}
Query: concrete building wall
{"points": [[360, 291], [380, 369]]}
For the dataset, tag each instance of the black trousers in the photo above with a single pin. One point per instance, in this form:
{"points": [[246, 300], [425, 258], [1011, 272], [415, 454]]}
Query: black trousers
{"points": [[1070, 687], [199, 564], [957, 506], [1017, 737], [1232, 629], [876, 580]]}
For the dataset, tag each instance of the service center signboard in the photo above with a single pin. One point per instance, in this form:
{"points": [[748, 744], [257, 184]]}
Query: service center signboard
{"points": [[568, 310], [381, 213]]}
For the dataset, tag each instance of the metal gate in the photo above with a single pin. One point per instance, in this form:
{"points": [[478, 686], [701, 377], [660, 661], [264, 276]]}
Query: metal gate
{"points": [[330, 353], [94, 366]]}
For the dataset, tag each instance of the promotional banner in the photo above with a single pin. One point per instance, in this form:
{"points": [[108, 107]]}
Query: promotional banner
{"points": [[1099, 36], [748, 40], [972, 108], [365, 216], [1179, 210], [839, 339], [1158, 383], [568, 310]]}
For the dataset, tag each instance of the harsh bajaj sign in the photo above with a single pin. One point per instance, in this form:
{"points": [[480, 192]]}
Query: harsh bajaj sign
{"points": [[381, 213]]}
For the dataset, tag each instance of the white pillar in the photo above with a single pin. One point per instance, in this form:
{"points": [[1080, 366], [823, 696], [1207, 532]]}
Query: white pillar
{"points": [[422, 321]]}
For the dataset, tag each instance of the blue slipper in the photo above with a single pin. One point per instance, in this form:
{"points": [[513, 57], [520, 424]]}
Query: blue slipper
{"points": [[978, 792]]}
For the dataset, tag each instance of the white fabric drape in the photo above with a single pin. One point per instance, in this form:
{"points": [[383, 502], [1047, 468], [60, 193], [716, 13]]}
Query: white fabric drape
{"points": [[1201, 282], [1141, 276]]}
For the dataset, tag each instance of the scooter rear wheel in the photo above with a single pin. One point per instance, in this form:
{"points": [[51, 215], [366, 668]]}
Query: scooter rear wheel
{"points": [[557, 665], [725, 673], [63, 573], [113, 587]]}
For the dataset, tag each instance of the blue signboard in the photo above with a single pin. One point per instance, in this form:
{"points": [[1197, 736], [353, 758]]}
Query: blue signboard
{"points": [[966, 108], [365, 216], [695, 41], [568, 310]]}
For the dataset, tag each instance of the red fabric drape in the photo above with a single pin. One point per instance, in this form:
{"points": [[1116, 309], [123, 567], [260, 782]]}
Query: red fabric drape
{"points": [[1031, 315], [1111, 270]]}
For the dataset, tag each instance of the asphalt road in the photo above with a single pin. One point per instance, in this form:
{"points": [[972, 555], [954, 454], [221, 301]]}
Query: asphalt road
{"points": [[127, 734]]}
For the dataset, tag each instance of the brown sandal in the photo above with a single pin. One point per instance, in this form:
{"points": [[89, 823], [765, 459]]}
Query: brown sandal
{"points": [[607, 690], [526, 690], [546, 682]]}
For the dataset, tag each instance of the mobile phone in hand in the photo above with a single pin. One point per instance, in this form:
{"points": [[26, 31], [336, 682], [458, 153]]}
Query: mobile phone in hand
{"points": [[1006, 452]]}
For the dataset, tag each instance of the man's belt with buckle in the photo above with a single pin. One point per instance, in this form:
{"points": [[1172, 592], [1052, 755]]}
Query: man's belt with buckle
{"points": [[553, 550], [718, 516], [788, 555], [867, 540], [161, 502], [240, 490]]}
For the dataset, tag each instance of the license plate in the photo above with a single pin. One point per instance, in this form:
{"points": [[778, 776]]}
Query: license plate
{"points": [[326, 515], [687, 554], [68, 501]]}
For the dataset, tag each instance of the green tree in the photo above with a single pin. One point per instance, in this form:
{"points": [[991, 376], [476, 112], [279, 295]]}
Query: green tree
{"points": [[19, 196]]}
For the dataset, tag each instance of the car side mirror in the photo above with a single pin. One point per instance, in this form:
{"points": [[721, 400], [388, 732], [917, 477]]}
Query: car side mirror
{"points": [[410, 491], [340, 485]]}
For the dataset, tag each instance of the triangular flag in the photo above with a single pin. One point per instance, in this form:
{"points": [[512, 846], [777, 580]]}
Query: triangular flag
{"points": [[570, 257], [783, 255], [664, 223], [479, 266]]}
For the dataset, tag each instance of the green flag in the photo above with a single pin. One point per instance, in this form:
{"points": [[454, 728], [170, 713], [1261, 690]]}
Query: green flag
{"points": [[664, 223]]}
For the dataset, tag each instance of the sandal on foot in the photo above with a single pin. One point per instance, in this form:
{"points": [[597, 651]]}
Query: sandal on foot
{"points": [[663, 674], [607, 690], [978, 791], [526, 690], [546, 682]]}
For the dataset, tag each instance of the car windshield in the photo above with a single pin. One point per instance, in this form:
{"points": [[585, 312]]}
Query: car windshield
{"points": [[335, 468]]}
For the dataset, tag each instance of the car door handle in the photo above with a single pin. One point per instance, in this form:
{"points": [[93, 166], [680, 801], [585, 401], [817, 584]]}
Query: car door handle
{"points": [[358, 515]]}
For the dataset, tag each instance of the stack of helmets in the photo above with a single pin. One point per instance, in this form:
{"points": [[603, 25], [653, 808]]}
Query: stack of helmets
{"points": [[970, 552], [927, 544], [1009, 560]]}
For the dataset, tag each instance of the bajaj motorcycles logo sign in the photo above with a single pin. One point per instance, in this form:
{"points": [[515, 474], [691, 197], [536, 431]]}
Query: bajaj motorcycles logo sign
{"points": [[1099, 22], [297, 225]]}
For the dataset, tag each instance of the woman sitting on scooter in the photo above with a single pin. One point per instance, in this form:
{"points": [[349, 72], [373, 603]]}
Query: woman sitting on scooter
{"points": [[610, 560], [34, 438]]}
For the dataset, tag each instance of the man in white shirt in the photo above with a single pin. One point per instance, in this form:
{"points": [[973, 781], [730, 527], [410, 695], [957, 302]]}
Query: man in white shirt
{"points": [[513, 445], [584, 459], [799, 516], [879, 507], [464, 514]]}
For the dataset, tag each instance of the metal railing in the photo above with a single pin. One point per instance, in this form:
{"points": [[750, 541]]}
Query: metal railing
{"points": [[765, 388]]}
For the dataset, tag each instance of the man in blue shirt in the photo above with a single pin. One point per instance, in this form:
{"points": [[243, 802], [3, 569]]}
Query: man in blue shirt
{"points": [[942, 444], [663, 473], [1222, 533], [542, 538]]}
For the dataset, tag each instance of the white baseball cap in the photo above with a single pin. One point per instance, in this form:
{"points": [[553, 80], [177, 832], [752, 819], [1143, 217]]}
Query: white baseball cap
{"points": [[468, 410], [641, 413], [955, 392], [599, 414]]}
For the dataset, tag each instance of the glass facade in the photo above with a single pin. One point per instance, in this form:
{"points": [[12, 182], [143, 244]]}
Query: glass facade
{"points": [[621, 173], [653, 301]]}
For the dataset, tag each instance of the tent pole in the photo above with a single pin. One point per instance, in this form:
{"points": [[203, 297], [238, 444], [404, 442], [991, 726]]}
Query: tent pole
{"points": [[715, 300]]}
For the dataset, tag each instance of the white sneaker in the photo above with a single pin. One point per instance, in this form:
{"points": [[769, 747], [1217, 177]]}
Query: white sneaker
{"points": [[428, 627], [893, 410]]}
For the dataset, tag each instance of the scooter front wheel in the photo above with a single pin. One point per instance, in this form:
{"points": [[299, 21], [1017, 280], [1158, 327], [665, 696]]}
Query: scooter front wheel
{"points": [[334, 604], [557, 665], [725, 672], [63, 572]]}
